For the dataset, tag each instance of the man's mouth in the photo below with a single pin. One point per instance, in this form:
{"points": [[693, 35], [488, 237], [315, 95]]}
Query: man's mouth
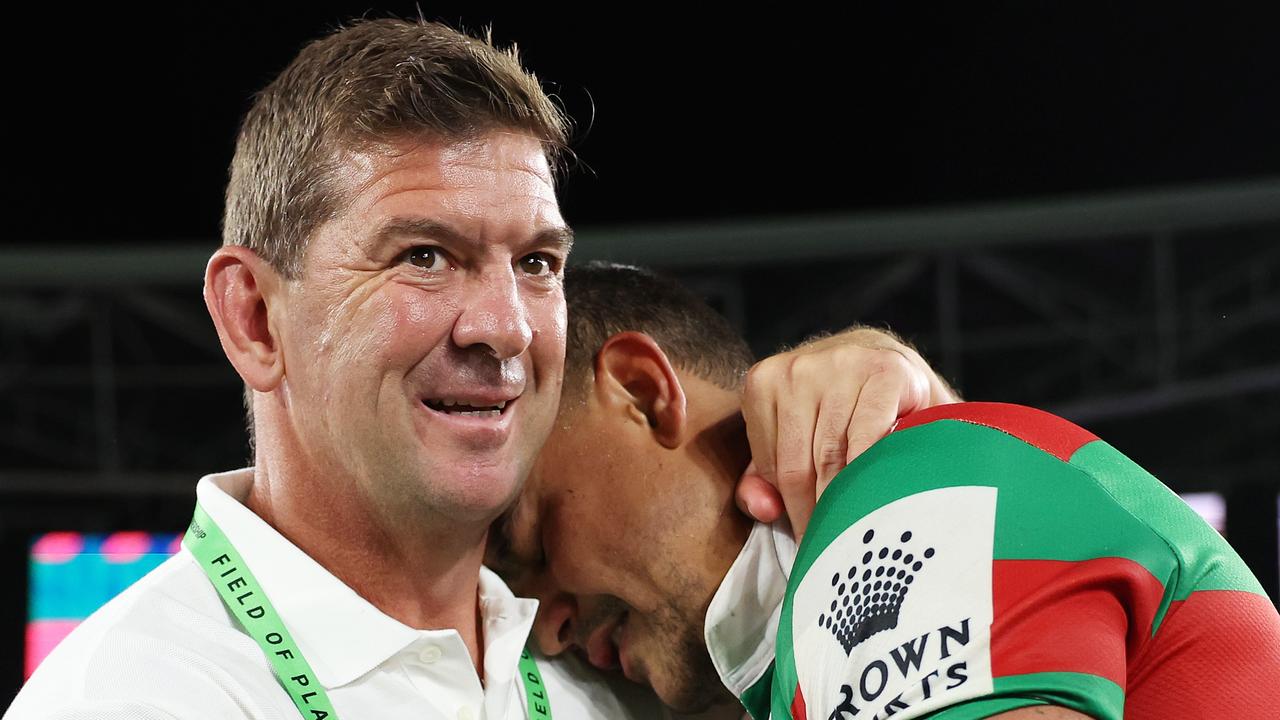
{"points": [[453, 406], [604, 647], [619, 638]]}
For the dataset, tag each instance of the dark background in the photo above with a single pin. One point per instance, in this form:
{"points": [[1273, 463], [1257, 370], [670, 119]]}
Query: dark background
{"points": [[130, 118], [1158, 332]]}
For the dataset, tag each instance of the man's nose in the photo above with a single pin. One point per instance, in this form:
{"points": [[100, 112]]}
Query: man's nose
{"points": [[554, 626], [495, 316]]}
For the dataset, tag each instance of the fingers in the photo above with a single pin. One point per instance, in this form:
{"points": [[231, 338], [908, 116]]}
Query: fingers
{"points": [[894, 390], [759, 412], [879, 407], [796, 476], [874, 415], [757, 498], [937, 390], [811, 411], [831, 435]]}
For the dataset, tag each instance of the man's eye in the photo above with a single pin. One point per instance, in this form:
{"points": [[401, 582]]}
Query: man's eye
{"points": [[536, 264], [427, 257]]}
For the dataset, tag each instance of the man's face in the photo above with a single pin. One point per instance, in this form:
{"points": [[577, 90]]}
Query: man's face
{"points": [[424, 339], [624, 542]]}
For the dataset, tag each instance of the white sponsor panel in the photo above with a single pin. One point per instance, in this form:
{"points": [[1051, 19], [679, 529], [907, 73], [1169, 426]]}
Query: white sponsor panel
{"points": [[894, 618]]}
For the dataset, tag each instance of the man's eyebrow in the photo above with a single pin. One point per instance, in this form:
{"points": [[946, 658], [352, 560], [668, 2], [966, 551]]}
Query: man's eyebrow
{"points": [[419, 227], [562, 236]]}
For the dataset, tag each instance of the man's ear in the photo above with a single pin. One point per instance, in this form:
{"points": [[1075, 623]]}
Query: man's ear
{"points": [[634, 375], [238, 285]]}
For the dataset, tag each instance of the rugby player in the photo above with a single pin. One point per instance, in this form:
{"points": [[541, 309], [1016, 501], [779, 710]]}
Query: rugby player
{"points": [[983, 560]]}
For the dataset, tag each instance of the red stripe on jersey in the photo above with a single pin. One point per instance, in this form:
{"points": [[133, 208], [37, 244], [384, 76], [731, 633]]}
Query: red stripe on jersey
{"points": [[798, 711], [1060, 616], [1217, 654], [1038, 428]]}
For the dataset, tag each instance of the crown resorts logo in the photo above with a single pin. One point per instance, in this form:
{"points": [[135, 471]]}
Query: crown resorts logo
{"points": [[902, 601], [869, 596]]}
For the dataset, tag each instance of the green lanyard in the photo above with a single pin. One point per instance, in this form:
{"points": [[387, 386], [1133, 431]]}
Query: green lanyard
{"points": [[246, 600]]}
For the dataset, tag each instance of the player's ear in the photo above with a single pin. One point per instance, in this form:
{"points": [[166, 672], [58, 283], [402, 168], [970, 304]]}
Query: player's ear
{"points": [[238, 288], [635, 376]]}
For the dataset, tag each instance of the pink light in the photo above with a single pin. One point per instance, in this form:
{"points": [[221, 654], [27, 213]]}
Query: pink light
{"points": [[57, 547], [1209, 505], [125, 547], [42, 637]]}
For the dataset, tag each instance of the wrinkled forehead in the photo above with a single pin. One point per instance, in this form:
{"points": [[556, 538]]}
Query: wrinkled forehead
{"points": [[464, 162], [492, 190]]}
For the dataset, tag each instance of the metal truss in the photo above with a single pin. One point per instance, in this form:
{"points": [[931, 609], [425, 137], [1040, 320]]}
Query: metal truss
{"points": [[1150, 317]]}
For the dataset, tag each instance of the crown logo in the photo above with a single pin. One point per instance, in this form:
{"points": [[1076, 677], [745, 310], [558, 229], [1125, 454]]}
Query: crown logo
{"points": [[869, 597]]}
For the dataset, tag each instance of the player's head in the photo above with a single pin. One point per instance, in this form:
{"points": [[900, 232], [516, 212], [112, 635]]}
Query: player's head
{"points": [[390, 281], [627, 524]]}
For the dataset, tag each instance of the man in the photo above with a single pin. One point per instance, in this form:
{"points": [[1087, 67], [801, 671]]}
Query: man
{"points": [[1087, 589], [389, 289]]}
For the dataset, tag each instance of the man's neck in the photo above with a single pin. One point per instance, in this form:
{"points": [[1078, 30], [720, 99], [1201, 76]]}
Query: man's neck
{"points": [[424, 579]]}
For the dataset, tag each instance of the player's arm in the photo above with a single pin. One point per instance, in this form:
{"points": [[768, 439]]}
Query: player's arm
{"points": [[812, 410]]}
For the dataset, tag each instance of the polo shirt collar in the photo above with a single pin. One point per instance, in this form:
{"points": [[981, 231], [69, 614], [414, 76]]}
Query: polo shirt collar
{"points": [[742, 619], [342, 635]]}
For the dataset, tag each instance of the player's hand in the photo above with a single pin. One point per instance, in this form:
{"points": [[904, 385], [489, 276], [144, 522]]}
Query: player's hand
{"points": [[812, 410]]}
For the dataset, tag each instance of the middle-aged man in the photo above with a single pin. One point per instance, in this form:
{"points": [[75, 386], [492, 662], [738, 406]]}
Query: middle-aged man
{"points": [[389, 289], [983, 560]]}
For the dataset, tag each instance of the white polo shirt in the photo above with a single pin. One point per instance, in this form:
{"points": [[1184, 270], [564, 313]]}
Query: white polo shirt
{"points": [[168, 648]]}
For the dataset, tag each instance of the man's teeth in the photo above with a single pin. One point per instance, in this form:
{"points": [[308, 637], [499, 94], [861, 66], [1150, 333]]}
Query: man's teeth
{"points": [[457, 407]]}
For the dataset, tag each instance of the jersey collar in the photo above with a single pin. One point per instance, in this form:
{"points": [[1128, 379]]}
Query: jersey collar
{"points": [[742, 619]]}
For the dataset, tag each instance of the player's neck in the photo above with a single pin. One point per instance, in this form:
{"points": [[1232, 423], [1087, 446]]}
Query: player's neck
{"points": [[423, 577]]}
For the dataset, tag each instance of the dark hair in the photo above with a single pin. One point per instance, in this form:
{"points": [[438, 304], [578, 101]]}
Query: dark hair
{"points": [[372, 83], [606, 298]]}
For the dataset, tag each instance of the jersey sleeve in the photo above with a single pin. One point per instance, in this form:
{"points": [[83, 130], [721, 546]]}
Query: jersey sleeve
{"points": [[965, 566]]}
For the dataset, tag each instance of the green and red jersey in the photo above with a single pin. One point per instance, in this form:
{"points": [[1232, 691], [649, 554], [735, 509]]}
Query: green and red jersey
{"points": [[986, 557]]}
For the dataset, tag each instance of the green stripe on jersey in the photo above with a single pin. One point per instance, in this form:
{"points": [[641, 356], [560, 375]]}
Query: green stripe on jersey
{"points": [[1046, 509], [1195, 544], [1098, 505], [1094, 696], [756, 698]]}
